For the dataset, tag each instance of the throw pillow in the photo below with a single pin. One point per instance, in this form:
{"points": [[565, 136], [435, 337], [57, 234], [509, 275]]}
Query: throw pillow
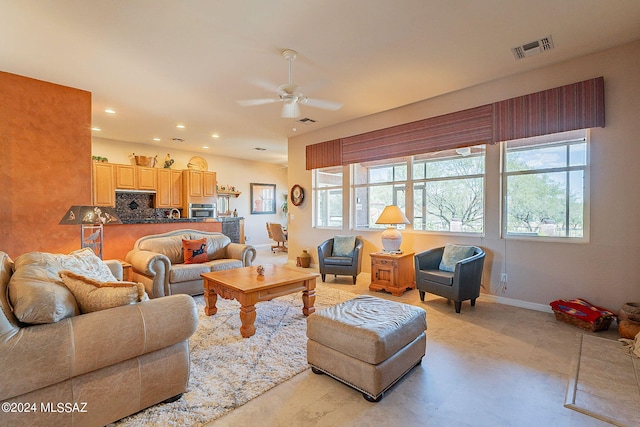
{"points": [[452, 254], [36, 292], [343, 245], [93, 295], [195, 251], [84, 261]]}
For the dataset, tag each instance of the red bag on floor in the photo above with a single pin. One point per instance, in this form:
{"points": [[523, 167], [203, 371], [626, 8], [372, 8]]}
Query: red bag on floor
{"points": [[580, 309]]}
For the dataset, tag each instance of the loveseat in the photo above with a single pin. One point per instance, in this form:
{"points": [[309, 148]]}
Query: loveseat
{"points": [[158, 261], [73, 369]]}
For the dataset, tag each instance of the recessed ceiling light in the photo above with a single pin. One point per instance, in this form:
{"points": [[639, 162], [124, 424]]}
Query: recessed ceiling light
{"points": [[215, 135], [96, 129], [156, 139], [205, 146], [110, 111], [180, 126]]}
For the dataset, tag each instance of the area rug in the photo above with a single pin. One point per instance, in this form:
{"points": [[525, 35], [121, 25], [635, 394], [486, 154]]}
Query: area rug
{"points": [[604, 382], [227, 370]]}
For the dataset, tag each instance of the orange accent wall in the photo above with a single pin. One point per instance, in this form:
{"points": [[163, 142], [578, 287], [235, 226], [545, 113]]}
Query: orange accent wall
{"points": [[119, 239], [45, 163]]}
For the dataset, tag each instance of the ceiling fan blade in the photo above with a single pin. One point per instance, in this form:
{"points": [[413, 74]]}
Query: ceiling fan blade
{"points": [[290, 110], [252, 102], [321, 103], [266, 85]]}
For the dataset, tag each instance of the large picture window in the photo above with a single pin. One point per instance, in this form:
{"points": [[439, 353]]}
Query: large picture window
{"points": [[327, 197], [448, 190], [545, 186]]}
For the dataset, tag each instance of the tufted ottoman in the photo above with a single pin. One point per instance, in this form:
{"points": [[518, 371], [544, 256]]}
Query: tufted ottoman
{"points": [[368, 343]]}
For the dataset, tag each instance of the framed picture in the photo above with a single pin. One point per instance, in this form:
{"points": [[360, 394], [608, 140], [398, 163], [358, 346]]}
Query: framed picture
{"points": [[263, 198]]}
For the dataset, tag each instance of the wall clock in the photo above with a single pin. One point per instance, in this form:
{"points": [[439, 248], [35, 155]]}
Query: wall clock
{"points": [[297, 195]]}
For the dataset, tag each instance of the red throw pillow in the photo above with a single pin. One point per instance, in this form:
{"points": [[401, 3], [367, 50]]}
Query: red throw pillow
{"points": [[195, 251]]}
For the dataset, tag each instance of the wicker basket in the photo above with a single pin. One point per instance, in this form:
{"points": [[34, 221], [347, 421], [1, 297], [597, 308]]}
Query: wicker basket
{"points": [[601, 323]]}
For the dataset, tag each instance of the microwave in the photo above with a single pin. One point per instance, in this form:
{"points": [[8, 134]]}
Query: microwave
{"points": [[202, 210]]}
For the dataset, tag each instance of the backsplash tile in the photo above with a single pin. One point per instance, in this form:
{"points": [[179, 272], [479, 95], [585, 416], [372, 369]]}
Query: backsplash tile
{"points": [[137, 206]]}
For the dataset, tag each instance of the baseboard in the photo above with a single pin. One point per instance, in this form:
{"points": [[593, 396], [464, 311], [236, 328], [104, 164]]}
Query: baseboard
{"points": [[261, 246], [517, 303]]}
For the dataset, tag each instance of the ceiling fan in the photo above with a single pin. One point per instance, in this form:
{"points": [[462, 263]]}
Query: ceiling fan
{"points": [[290, 94]]}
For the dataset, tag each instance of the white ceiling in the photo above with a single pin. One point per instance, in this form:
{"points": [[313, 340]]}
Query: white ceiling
{"points": [[163, 62]]}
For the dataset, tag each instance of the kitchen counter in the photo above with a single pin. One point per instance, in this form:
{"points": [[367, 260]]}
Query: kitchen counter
{"points": [[160, 220]]}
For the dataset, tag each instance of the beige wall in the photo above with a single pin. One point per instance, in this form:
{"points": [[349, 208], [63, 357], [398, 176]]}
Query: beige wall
{"points": [[604, 271], [229, 171]]}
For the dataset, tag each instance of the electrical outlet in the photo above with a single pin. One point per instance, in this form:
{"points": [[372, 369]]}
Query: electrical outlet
{"points": [[503, 278]]}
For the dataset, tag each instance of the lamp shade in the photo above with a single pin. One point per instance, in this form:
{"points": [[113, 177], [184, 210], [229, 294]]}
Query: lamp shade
{"points": [[90, 215], [92, 219], [392, 215], [391, 237]]}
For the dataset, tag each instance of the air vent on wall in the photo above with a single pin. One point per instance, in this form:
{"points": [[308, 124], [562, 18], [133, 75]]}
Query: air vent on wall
{"points": [[533, 48]]}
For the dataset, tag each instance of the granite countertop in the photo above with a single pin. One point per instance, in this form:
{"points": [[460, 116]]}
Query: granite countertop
{"points": [[170, 220], [160, 220]]}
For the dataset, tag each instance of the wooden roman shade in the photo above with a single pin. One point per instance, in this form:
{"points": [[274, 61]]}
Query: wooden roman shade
{"points": [[324, 154], [575, 106], [571, 107], [454, 130]]}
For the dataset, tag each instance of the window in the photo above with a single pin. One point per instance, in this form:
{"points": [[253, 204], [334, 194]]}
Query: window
{"points": [[376, 185], [448, 190], [545, 185], [327, 197]]}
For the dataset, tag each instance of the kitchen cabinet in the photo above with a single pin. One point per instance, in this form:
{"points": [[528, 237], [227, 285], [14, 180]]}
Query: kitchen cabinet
{"points": [[130, 177], [146, 178], [169, 189], [103, 184], [199, 183], [209, 184], [176, 188], [125, 177]]}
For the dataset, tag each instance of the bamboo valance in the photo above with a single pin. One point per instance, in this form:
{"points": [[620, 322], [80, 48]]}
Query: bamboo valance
{"points": [[571, 107], [574, 106]]}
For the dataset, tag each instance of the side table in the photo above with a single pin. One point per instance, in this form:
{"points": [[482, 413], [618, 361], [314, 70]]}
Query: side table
{"points": [[393, 273], [127, 269]]}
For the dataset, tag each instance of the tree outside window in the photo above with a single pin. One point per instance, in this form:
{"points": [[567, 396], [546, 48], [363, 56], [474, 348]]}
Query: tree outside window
{"points": [[448, 190], [545, 186]]}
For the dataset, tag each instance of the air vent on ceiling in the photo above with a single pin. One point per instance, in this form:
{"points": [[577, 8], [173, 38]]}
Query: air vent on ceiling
{"points": [[533, 48], [306, 121], [177, 139]]}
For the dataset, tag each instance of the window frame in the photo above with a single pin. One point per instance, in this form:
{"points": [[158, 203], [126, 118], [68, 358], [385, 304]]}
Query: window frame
{"points": [[564, 139], [482, 176], [409, 195], [394, 184], [316, 192]]}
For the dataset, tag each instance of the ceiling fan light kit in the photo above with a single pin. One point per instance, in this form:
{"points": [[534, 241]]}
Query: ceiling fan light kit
{"points": [[291, 96]]}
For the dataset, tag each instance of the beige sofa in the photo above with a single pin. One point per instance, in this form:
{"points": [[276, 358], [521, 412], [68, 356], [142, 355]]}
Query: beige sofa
{"points": [[87, 369], [158, 261]]}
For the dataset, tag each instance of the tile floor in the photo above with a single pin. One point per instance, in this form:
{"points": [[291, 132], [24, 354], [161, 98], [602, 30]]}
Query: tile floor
{"points": [[490, 365]]}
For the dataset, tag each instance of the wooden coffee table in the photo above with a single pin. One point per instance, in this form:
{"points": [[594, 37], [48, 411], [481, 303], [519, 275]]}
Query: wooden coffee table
{"points": [[248, 288]]}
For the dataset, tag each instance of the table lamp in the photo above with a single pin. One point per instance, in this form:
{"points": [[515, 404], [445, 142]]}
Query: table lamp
{"points": [[391, 237], [92, 219]]}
